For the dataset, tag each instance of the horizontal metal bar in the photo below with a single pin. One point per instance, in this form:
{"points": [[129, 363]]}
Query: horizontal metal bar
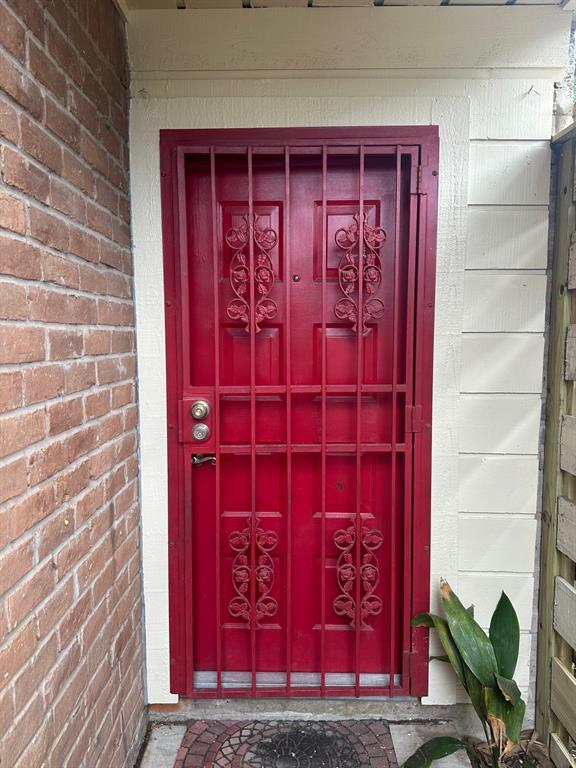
{"points": [[332, 448], [305, 389]]}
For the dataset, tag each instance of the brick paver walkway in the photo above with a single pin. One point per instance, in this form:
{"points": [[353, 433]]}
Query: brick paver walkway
{"points": [[286, 744]]}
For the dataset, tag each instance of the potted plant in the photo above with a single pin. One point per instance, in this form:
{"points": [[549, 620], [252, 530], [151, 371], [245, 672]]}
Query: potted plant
{"points": [[485, 666]]}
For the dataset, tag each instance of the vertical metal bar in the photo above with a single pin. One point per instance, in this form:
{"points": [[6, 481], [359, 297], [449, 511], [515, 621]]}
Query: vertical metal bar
{"points": [[288, 343], [414, 234], [216, 406], [252, 318], [323, 389], [359, 377], [393, 454]]}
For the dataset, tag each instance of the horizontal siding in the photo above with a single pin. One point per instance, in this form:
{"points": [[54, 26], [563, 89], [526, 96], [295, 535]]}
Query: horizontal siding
{"points": [[484, 589], [505, 237], [498, 484], [502, 362], [501, 302], [499, 424], [509, 173], [496, 543]]}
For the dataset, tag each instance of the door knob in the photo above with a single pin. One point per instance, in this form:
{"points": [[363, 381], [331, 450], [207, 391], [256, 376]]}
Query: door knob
{"points": [[198, 459], [200, 432], [200, 409]]}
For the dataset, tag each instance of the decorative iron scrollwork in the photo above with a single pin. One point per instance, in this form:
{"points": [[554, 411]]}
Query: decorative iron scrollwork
{"points": [[348, 239], [344, 604], [264, 240], [240, 606]]}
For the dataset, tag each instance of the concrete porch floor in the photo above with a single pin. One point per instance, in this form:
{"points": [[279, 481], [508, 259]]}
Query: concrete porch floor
{"points": [[410, 723]]}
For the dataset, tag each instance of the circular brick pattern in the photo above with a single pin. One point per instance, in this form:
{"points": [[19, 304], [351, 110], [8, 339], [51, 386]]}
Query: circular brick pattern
{"points": [[286, 744]]}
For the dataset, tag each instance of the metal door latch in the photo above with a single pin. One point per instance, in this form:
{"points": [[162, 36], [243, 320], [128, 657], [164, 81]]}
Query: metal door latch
{"points": [[203, 458]]}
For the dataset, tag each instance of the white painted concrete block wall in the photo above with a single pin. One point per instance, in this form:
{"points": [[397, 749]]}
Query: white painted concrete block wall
{"points": [[485, 75]]}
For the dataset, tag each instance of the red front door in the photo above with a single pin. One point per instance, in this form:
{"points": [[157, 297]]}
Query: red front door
{"points": [[299, 297]]}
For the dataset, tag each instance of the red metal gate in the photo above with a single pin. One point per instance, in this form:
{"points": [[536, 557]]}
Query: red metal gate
{"points": [[299, 290]]}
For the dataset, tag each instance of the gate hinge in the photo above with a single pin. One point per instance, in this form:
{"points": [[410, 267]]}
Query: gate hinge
{"points": [[419, 180], [413, 418], [409, 657]]}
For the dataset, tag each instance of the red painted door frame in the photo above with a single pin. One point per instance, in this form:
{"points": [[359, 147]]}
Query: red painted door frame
{"points": [[175, 145]]}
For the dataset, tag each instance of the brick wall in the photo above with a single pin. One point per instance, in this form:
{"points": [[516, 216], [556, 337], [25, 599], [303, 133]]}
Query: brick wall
{"points": [[70, 604]]}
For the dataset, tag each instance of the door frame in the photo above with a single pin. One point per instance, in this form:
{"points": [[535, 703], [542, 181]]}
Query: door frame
{"points": [[174, 145]]}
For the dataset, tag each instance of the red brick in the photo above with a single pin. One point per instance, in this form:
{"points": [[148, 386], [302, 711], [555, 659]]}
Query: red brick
{"points": [[111, 255], [55, 531], [26, 513], [15, 564], [93, 280], [16, 652], [24, 175], [97, 342], [84, 111], [99, 220], [53, 306], [46, 462], [38, 143], [20, 736], [106, 195], [115, 313], [80, 375], [65, 344], [69, 555], [84, 244], [122, 395], [12, 213], [31, 13], [82, 442], [60, 122], [29, 594], [12, 34], [72, 483], [44, 69], [19, 259], [55, 607], [61, 672], [97, 404], [20, 87], [42, 383], [10, 390], [89, 503], [119, 285], [13, 481], [60, 271], [63, 53], [21, 430], [21, 344], [13, 301], [49, 229], [37, 669], [122, 341], [8, 121], [77, 172], [96, 92], [64, 415], [74, 619], [66, 200]]}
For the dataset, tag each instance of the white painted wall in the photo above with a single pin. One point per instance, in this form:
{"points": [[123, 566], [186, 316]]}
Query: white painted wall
{"points": [[485, 76]]}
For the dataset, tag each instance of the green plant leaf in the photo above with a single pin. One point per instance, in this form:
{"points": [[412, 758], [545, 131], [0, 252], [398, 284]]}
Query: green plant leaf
{"points": [[505, 636], [474, 689], [504, 715], [440, 746], [514, 717], [509, 689], [470, 639], [448, 644]]}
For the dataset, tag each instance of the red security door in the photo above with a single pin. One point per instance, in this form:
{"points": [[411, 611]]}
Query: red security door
{"points": [[299, 297]]}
